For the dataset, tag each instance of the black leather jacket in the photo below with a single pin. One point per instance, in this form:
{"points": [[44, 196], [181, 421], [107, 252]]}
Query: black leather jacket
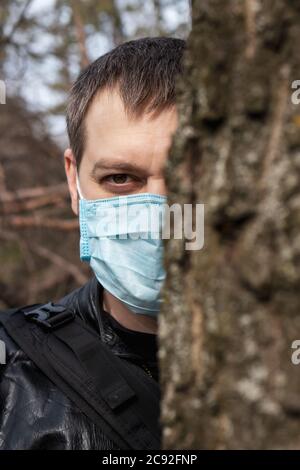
{"points": [[34, 413]]}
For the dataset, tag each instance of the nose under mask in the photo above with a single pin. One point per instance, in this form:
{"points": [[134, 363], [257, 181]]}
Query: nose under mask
{"points": [[120, 237]]}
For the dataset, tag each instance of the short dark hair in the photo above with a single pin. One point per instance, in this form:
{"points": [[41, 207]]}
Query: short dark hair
{"points": [[143, 70]]}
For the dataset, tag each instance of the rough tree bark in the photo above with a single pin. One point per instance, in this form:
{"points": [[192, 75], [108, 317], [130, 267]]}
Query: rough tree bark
{"points": [[233, 308]]}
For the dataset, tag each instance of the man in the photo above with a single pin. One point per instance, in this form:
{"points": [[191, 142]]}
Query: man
{"points": [[121, 118]]}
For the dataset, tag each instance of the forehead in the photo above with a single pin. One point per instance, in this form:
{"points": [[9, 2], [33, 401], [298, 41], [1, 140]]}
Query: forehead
{"points": [[110, 132]]}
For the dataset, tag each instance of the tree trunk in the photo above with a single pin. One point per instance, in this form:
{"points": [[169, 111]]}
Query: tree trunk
{"points": [[233, 308]]}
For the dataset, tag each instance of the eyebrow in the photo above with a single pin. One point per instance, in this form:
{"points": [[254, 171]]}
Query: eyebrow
{"points": [[106, 164]]}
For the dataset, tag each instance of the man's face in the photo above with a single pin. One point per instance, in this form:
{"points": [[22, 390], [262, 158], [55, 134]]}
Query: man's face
{"points": [[121, 156]]}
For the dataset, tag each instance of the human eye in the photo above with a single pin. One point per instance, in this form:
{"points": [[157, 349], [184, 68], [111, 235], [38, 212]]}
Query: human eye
{"points": [[118, 183], [119, 178]]}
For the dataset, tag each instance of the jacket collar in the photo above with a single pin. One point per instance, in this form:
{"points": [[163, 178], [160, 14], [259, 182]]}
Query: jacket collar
{"points": [[87, 302]]}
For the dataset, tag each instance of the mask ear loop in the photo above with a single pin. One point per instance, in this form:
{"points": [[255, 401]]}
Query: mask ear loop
{"points": [[84, 240], [78, 186]]}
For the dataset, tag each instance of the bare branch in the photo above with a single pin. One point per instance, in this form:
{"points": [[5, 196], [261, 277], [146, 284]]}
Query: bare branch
{"points": [[61, 263], [250, 28], [28, 193], [32, 204], [50, 278], [80, 33], [36, 221], [8, 38]]}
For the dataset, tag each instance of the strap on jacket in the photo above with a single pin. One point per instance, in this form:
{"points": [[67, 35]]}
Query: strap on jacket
{"points": [[105, 387]]}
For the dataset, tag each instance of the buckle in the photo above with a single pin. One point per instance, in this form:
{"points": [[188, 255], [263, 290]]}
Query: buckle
{"points": [[50, 316]]}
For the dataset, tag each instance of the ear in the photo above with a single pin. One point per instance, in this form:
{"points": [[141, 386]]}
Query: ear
{"points": [[70, 169]]}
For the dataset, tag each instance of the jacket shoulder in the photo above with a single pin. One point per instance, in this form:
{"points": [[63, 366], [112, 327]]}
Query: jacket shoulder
{"points": [[34, 412]]}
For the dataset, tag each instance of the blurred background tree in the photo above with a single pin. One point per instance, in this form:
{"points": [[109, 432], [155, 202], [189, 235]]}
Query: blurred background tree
{"points": [[43, 47]]}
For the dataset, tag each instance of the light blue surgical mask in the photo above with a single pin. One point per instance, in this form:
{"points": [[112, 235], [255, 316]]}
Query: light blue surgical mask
{"points": [[121, 239]]}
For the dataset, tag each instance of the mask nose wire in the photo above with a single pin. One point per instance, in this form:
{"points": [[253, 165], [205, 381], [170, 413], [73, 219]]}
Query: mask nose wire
{"points": [[78, 186]]}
